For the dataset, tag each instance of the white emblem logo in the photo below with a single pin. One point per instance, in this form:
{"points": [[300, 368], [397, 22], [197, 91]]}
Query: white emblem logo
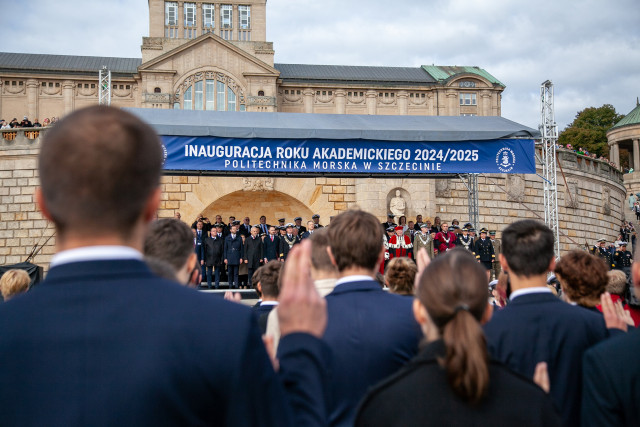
{"points": [[506, 159], [164, 154]]}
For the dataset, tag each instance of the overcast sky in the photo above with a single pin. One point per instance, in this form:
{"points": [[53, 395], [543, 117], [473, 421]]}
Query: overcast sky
{"points": [[589, 49]]}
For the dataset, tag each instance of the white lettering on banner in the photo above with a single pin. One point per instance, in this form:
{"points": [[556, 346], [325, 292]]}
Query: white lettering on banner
{"points": [[226, 151]]}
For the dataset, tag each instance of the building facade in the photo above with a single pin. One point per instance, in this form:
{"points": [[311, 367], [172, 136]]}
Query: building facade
{"points": [[204, 55], [207, 55]]}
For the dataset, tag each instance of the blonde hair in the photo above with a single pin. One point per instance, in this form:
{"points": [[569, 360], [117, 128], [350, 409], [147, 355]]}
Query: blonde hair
{"points": [[14, 282], [400, 275]]}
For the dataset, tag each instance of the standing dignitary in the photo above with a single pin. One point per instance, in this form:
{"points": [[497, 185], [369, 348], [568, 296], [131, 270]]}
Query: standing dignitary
{"points": [[483, 250], [271, 244], [253, 252], [445, 239], [214, 255], [103, 342], [372, 333], [497, 249], [287, 241], [601, 251], [316, 221], [198, 239], [400, 245], [301, 228], [233, 254], [264, 227], [622, 259], [538, 327], [611, 375], [310, 228], [465, 241], [423, 239]]}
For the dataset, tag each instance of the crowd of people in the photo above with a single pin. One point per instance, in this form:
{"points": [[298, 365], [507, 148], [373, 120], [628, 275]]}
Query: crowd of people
{"points": [[115, 334], [26, 123]]}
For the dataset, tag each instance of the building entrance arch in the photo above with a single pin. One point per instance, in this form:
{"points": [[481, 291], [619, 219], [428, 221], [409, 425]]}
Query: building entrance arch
{"points": [[272, 204]]}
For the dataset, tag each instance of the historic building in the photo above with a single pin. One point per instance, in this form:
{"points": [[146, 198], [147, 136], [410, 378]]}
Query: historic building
{"points": [[204, 55]]}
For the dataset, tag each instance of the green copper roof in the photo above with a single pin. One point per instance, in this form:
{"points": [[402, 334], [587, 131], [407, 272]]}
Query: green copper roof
{"points": [[443, 73], [633, 118]]}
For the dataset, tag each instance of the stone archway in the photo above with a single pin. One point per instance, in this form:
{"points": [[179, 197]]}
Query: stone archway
{"points": [[272, 204]]}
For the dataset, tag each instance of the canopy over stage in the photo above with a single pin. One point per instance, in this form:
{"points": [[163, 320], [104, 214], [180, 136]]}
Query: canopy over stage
{"points": [[242, 143]]}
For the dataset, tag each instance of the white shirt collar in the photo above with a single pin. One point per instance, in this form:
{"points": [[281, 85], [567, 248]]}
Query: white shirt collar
{"points": [[269, 303], [95, 253], [527, 291], [356, 278]]}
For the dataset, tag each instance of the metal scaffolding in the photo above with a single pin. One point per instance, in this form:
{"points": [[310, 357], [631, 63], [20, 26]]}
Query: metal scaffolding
{"points": [[549, 131], [471, 182], [104, 94]]}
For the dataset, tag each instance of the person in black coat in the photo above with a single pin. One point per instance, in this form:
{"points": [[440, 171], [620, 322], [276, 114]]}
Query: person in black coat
{"points": [[271, 244], [253, 252], [214, 257], [233, 254], [287, 241], [451, 381]]}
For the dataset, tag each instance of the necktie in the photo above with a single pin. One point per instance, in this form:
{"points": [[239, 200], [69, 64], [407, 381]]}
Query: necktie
{"points": [[272, 238], [219, 234]]}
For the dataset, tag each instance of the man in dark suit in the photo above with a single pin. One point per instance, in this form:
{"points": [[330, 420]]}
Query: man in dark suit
{"points": [[214, 255], [102, 341], [264, 227], [233, 254], [198, 240], [271, 244], [310, 229], [372, 333], [316, 221], [287, 241], [245, 227], [267, 286], [253, 252], [611, 375], [536, 326], [298, 225]]}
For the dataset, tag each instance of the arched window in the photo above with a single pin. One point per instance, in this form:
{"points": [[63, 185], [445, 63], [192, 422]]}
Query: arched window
{"points": [[157, 90], [209, 91], [260, 93]]}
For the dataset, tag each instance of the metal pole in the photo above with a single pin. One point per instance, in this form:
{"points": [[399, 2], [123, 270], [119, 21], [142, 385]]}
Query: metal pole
{"points": [[549, 131], [104, 93]]}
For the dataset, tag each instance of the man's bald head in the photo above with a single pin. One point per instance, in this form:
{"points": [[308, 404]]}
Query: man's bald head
{"points": [[98, 167]]}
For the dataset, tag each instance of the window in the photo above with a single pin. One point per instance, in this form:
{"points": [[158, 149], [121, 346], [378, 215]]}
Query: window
{"points": [[244, 13], [468, 115], [199, 95], [226, 10], [171, 13], [210, 94], [468, 99], [208, 18], [157, 90], [189, 21], [261, 92], [187, 99]]}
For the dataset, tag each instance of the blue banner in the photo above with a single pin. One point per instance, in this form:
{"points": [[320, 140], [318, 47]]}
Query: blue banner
{"points": [[315, 156]]}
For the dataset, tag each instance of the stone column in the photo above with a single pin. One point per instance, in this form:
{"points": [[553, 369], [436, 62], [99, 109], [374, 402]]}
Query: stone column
{"points": [[235, 23], [32, 99], [372, 99], [403, 102], [199, 20], [308, 100], [67, 95], [615, 154], [636, 154], [341, 101], [452, 97], [180, 20], [485, 96]]}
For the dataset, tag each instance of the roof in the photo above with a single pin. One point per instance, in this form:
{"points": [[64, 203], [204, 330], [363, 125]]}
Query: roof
{"points": [[633, 118], [350, 73], [442, 73], [66, 63], [232, 124]]}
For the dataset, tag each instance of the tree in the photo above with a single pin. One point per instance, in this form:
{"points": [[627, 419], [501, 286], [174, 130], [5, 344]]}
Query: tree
{"points": [[589, 129]]}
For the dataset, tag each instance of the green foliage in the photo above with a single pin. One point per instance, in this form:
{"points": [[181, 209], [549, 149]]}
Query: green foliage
{"points": [[589, 129]]}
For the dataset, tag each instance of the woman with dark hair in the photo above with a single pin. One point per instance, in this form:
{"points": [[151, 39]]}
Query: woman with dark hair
{"points": [[452, 381]]}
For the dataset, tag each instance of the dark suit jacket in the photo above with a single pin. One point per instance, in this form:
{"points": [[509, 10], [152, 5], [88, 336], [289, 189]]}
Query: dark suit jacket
{"points": [[420, 395], [271, 248], [262, 314], [372, 334], [106, 343], [540, 328], [253, 252], [233, 249], [199, 240], [214, 251], [244, 230], [611, 382]]}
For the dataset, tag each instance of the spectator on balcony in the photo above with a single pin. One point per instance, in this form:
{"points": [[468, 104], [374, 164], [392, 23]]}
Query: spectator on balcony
{"points": [[25, 123], [36, 124], [46, 122], [14, 123], [4, 124]]}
